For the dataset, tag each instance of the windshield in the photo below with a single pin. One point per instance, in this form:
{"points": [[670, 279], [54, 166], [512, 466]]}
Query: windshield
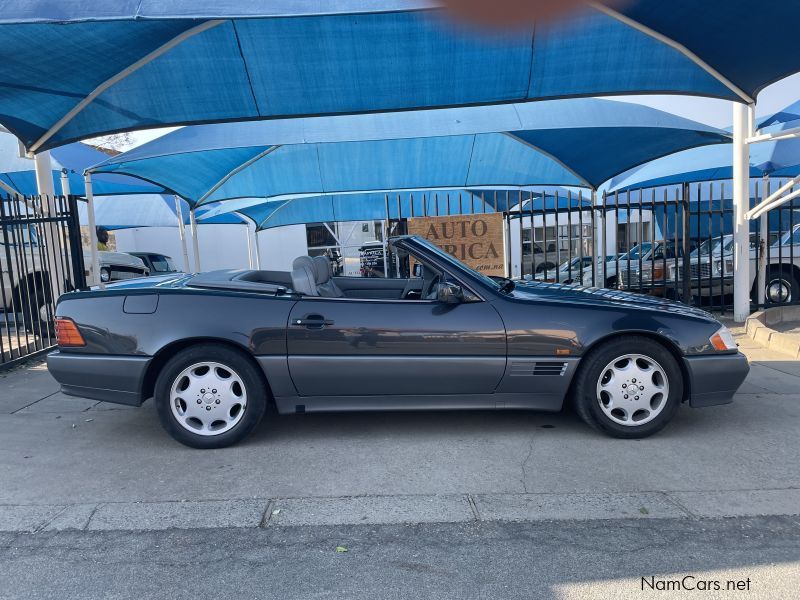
{"points": [[790, 237], [639, 250], [450, 259], [713, 246], [162, 264]]}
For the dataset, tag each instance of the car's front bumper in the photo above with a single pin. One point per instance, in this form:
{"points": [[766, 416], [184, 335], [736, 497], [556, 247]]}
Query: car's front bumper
{"points": [[115, 379], [715, 379]]}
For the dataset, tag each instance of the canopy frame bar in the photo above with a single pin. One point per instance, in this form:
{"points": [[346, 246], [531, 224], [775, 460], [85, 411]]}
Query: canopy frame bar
{"points": [[548, 155], [774, 136], [774, 200], [676, 46], [111, 81], [232, 173]]}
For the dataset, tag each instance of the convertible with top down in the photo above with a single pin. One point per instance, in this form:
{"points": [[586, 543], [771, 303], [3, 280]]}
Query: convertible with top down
{"points": [[213, 349]]}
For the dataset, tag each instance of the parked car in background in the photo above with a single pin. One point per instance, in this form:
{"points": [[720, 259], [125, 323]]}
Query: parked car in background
{"points": [[25, 276], [159, 264], [711, 267], [568, 272], [115, 266], [648, 272], [442, 337]]}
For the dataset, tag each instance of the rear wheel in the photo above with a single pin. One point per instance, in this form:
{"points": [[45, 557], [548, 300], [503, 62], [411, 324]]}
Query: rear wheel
{"points": [[781, 287], [210, 396], [628, 388]]}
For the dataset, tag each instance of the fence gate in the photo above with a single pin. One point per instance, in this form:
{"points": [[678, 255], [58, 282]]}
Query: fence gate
{"points": [[41, 258]]}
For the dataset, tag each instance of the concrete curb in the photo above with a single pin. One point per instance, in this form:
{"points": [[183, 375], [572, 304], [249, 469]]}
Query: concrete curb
{"points": [[388, 510], [757, 327]]}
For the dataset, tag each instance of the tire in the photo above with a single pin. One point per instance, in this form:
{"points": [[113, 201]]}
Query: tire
{"points": [[197, 403], [781, 287], [32, 300], [595, 396]]}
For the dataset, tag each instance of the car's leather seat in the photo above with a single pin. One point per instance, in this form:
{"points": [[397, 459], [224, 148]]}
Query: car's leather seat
{"points": [[323, 271], [304, 279]]}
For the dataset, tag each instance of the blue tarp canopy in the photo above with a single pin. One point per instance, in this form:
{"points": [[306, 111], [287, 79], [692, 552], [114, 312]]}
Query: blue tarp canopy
{"points": [[267, 214], [144, 210], [579, 142], [19, 173], [74, 69], [782, 117], [709, 163]]}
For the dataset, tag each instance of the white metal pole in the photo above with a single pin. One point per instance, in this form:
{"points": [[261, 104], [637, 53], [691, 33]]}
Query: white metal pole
{"points": [[93, 252], [256, 249], [742, 123], [65, 188], [182, 234], [195, 242], [43, 166], [763, 225]]}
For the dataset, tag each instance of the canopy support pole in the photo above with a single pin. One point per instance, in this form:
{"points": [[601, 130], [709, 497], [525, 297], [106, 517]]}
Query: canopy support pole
{"points": [[743, 118], [774, 200], [182, 233], [44, 184], [65, 187], [96, 280], [9, 190], [256, 249], [763, 225], [195, 242]]}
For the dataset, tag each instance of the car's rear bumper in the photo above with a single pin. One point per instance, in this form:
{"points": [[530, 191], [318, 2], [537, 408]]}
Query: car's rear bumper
{"points": [[115, 379], [715, 379]]}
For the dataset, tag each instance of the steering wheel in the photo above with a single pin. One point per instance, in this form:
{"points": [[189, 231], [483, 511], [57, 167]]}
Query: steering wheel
{"points": [[431, 291]]}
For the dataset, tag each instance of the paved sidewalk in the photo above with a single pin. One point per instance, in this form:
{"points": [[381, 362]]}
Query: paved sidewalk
{"points": [[68, 463]]}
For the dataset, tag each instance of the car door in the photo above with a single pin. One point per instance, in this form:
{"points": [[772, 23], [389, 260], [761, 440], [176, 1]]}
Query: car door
{"points": [[376, 347]]}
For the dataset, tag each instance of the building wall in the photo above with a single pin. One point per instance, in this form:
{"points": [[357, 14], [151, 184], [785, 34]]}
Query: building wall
{"points": [[278, 247]]}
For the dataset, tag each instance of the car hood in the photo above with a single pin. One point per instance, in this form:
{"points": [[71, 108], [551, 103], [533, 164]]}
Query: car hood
{"points": [[577, 294]]}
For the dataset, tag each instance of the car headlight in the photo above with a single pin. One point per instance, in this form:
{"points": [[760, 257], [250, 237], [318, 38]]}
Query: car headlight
{"points": [[723, 340], [105, 275]]}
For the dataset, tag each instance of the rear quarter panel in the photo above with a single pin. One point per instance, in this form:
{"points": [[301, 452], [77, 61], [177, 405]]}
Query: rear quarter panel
{"points": [[256, 323]]}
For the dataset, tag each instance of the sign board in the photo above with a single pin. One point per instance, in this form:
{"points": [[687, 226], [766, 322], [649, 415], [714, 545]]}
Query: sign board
{"points": [[475, 240]]}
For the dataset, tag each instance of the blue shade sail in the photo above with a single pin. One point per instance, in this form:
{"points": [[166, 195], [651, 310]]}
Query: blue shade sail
{"points": [[241, 60], [787, 115], [19, 173], [709, 163], [580, 142]]}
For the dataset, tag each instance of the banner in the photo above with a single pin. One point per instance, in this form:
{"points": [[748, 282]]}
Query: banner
{"points": [[475, 240]]}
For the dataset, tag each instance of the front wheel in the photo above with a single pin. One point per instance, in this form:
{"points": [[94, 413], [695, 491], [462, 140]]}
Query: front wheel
{"points": [[210, 396], [628, 388]]}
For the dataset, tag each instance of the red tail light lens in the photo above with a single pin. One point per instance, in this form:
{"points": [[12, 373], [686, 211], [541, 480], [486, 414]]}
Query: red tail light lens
{"points": [[67, 333]]}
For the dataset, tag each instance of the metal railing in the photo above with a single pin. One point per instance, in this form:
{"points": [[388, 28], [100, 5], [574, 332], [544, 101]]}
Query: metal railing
{"points": [[40, 258]]}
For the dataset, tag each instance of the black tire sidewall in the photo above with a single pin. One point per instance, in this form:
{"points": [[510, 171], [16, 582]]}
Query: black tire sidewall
{"points": [[585, 396], [254, 384]]}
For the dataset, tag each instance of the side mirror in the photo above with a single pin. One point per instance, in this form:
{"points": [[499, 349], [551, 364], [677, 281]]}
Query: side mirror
{"points": [[449, 293]]}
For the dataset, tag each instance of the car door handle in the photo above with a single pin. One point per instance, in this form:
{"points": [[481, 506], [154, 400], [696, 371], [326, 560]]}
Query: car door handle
{"points": [[312, 322]]}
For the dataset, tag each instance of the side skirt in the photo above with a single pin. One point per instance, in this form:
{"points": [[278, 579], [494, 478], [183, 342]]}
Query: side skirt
{"points": [[528, 401]]}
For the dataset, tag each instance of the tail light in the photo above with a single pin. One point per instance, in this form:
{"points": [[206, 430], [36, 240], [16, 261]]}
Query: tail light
{"points": [[67, 333]]}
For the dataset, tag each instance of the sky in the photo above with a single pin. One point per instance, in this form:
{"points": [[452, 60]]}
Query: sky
{"points": [[717, 113]]}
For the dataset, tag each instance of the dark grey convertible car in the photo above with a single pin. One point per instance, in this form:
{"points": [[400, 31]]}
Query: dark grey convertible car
{"points": [[213, 349]]}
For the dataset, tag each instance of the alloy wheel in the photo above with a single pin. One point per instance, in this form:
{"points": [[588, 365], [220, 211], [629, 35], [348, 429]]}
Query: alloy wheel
{"points": [[208, 398], [632, 390]]}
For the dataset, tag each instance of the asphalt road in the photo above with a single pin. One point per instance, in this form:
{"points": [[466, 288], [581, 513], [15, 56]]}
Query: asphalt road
{"points": [[96, 501], [561, 560]]}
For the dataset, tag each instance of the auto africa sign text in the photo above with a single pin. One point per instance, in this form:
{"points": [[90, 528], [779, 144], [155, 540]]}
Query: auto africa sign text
{"points": [[476, 240]]}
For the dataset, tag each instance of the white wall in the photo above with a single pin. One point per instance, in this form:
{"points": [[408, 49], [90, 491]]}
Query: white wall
{"points": [[278, 247], [221, 246]]}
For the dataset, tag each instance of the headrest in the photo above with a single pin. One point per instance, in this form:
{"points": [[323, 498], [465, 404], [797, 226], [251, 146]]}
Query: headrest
{"points": [[304, 262], [323, 270]]}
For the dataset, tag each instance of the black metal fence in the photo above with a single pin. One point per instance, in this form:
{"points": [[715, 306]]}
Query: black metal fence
{"points": [[41, 258], [674, 241]]}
